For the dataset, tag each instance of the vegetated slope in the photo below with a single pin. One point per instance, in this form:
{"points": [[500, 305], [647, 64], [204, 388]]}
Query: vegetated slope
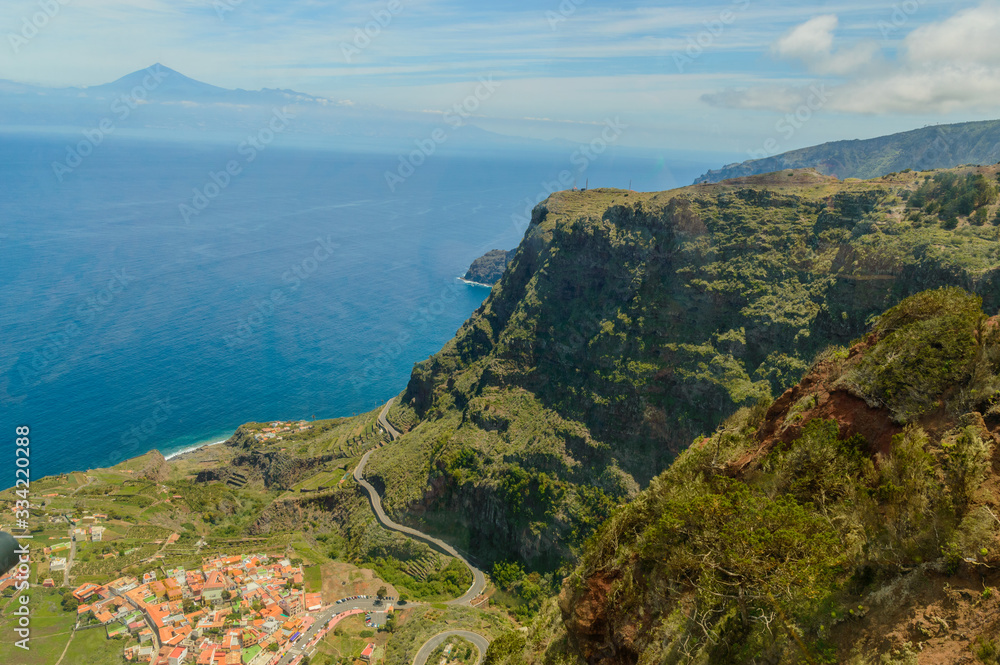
{"points": [[628, 323], [852, 520], [937, 147], [489, 267]]}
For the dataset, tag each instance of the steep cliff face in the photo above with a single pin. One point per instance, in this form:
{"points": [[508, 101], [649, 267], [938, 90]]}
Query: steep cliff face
{"points": [[628, 323], [865, 531]]}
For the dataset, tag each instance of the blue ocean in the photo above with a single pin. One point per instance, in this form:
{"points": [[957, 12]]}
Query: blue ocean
{"points": [[153, 299]]}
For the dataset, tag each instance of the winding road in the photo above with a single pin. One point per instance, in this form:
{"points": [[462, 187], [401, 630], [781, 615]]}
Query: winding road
{"points": [[393, 433], [478, 579], [481, 643]]}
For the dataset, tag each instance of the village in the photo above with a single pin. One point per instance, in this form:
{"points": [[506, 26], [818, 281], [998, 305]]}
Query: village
{"points": [[138, 564], [233, 610], [275, 429]]}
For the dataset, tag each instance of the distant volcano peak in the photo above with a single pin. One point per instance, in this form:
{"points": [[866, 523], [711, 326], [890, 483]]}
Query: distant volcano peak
{"points": [[163, 79]]}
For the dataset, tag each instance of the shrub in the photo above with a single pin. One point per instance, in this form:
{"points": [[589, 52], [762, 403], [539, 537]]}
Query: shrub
{"points": [[506, 648], [931, 335], [966, 458], [974, 533], [910, 498], [820, 467]]}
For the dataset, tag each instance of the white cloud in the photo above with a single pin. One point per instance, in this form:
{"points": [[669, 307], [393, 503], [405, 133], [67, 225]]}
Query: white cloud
{"points": [[944, 88], [812, 43], [971, 36], [948, 66], [812, 39]]}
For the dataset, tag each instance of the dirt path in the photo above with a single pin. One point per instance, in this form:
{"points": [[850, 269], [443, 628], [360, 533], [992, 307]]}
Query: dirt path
{"points": [[66, 648]]}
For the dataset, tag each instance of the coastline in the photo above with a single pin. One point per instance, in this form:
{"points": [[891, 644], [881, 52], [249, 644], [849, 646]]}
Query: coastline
{"points": [[471, 283], [179, 454]]}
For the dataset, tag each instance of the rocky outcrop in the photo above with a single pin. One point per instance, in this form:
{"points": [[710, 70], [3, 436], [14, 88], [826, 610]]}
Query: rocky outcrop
{"points": [[243, 438], [156, 468], [257, 462], [589, 628], [489, 268]]}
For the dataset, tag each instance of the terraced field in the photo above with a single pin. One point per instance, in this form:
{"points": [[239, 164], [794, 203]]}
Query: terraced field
{"points": [[421, 568]]}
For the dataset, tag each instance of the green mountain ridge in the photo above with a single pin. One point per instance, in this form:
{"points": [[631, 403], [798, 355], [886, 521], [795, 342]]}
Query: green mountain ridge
{"points": [[935, 147], [629, 323]]}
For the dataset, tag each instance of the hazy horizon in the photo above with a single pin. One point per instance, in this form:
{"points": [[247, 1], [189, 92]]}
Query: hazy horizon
{"points": [[718, 78]]}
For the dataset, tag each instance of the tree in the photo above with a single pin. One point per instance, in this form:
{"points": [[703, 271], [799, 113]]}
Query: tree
{"points": [[402, 599], [382, 592], [69, 602], [507, 574]]}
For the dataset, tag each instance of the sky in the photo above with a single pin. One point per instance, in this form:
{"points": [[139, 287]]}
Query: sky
{"points": [[719, 77]]}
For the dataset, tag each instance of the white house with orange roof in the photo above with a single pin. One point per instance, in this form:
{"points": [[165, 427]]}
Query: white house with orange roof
{"points": [[177, 656]]}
